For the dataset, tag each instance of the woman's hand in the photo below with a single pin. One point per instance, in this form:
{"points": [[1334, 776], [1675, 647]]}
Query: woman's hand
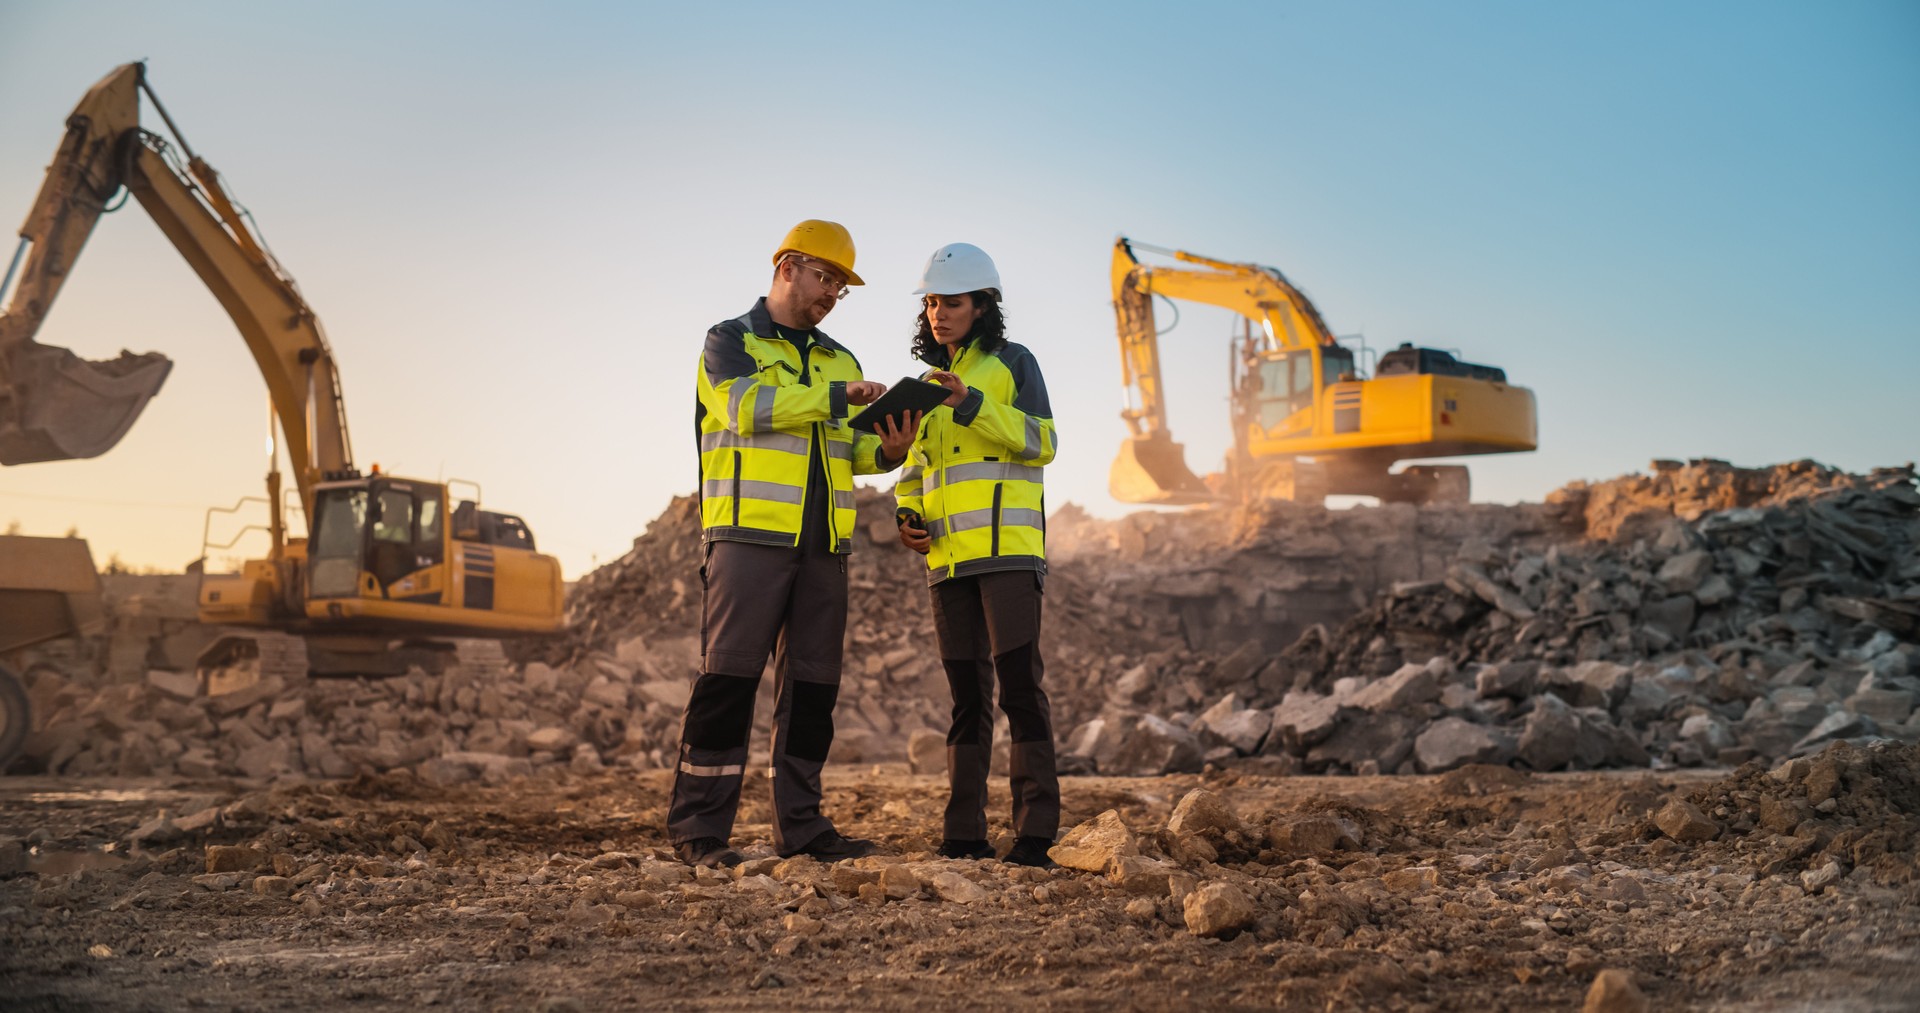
{"points": [[896, 440], [914, 537], [951, 383]]}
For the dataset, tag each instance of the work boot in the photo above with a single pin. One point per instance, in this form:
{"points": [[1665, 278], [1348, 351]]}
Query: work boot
{"points": [[831, 847], [1031, 851], [709, 852], [975, 850]]}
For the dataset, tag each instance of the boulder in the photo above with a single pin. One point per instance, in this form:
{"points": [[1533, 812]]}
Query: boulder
{"points": [[1405, 689], [1452, 742], [1684, 822], [1303, 720], [1155, 746], [1218, 909], [1095, 845], [1202, 812], [1384, 738]]}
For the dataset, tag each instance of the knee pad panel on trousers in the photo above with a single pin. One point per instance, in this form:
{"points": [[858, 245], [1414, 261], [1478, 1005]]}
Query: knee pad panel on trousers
{"points": [[720, 711], [972, 706], [810, 723], [1028, 717]]}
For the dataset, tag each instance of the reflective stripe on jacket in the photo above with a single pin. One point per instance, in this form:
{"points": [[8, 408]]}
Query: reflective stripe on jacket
{"points": [[759, 427], [975, 471]]}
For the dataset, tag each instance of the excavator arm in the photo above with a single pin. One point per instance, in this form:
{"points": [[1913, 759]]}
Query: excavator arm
{"points": [[56, 406], [1151, 467]]}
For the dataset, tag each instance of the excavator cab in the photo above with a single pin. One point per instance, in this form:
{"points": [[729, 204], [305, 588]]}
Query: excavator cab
{"points": [[374, 535], [386, 555]]}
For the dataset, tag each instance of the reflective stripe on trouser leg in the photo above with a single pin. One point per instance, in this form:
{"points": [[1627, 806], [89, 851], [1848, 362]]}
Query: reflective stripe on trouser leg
{"points": [[806, 675], [713, 756]]}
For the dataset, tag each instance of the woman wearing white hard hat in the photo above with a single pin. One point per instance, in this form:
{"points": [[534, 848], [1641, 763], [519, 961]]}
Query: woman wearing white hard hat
{"points": [[971, 499]]}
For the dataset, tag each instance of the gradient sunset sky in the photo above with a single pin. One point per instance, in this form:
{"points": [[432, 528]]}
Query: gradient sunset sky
{"points": [[1693, 229]]}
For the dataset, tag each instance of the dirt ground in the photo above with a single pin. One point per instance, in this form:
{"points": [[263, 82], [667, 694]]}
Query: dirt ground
{"points": [[1480, 889]]}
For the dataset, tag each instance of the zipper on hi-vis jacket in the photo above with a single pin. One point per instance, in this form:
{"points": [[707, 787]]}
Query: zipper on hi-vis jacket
{"points": [[736, 488], [996, 519]]}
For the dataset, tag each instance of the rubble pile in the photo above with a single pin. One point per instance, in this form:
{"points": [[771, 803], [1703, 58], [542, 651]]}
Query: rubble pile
{"points": [[1816, 818], [1725, 614], [1691, 490], [1749, 631]]}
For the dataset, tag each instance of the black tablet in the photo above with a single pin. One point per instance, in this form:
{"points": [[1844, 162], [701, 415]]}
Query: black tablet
{"points": [[908, 395]]}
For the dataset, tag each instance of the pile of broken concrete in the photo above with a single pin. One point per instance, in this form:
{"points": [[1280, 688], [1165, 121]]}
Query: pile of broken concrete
{"points": [[1764, 627], [1700, 615]]}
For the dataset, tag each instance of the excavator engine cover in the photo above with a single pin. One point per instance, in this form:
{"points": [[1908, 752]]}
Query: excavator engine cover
{"points": [[57, 406], [1154, 470]]}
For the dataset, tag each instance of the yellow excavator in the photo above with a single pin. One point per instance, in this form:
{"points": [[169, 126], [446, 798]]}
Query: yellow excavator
{"points": [[1306, 424], [387, 560]]}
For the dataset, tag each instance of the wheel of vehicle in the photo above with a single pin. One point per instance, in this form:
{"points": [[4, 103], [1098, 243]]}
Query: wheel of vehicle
{"points": [[16, 718]]}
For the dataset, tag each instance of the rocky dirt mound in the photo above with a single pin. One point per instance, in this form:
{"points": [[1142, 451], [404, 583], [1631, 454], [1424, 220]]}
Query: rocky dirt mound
{"points": [[1816, 818], [1698, 487]]}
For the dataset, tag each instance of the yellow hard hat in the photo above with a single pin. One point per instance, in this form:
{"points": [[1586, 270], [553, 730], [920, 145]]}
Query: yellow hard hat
{"points": [[826, 241]]}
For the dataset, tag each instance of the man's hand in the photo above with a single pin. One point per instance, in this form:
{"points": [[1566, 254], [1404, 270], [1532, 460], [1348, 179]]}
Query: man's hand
{"points": [[861, 392], [913, 536], [896, 440], [951, 383]]}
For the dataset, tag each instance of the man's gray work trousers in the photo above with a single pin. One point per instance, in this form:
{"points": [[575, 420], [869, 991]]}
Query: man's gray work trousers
{"points": [[761, 600], [986, 624]]}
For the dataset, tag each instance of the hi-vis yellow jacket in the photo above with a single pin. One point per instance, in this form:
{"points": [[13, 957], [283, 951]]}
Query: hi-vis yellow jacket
{"points": [[759, 426], [974, 473]]}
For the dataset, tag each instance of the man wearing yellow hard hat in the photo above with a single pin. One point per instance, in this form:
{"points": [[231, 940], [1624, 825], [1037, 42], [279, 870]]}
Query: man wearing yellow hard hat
{"points": [[777, 461]]}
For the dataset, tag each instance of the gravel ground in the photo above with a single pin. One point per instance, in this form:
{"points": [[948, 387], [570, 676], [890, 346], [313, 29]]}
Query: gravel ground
{"points": [[1480, 889]]}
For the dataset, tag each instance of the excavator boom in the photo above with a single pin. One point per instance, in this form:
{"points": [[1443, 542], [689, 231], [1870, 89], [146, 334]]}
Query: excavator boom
{"points": [[55, 405]]}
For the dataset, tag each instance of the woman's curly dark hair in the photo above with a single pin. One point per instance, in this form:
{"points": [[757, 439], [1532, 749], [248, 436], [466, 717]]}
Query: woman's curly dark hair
{"points": [[990, 330]]}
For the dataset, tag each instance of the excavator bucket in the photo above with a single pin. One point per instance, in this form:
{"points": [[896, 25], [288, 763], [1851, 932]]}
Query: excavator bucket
{"points": [[1153, 469], [56, 406]]}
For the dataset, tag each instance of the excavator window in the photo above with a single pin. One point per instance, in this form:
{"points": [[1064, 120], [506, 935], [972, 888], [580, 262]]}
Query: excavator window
{"points": [[1335, 362], [339, 528]]}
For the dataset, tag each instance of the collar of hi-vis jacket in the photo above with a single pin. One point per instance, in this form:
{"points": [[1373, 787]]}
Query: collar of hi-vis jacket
{"points": [[942, 358], [760, 324]]}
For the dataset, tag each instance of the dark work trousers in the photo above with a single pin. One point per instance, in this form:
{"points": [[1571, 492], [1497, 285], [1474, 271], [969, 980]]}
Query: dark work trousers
{"points": [[760, 600], [988, 624]]}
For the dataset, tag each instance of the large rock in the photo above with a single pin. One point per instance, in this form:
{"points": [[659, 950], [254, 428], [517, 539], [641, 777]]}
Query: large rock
{"points": [[1614, 991], [1095, 845], [1600, 684], [1683, 821], [1155, 746], [1452, 742], [1385, 738], [1412, 685], [1244, 730], [1672, 617], [1511, 679], [1314, 836], [1303, 720], [1202, 812], [1555, 736], [1684, 572], [1218, 909], [927, 752]]}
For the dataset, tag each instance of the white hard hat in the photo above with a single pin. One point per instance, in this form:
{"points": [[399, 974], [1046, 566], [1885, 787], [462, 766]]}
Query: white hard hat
{"points": [[959, 268]]}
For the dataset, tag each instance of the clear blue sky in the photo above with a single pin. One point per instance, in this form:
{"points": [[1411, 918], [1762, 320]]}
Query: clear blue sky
{"points": [[1693, 229]]}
